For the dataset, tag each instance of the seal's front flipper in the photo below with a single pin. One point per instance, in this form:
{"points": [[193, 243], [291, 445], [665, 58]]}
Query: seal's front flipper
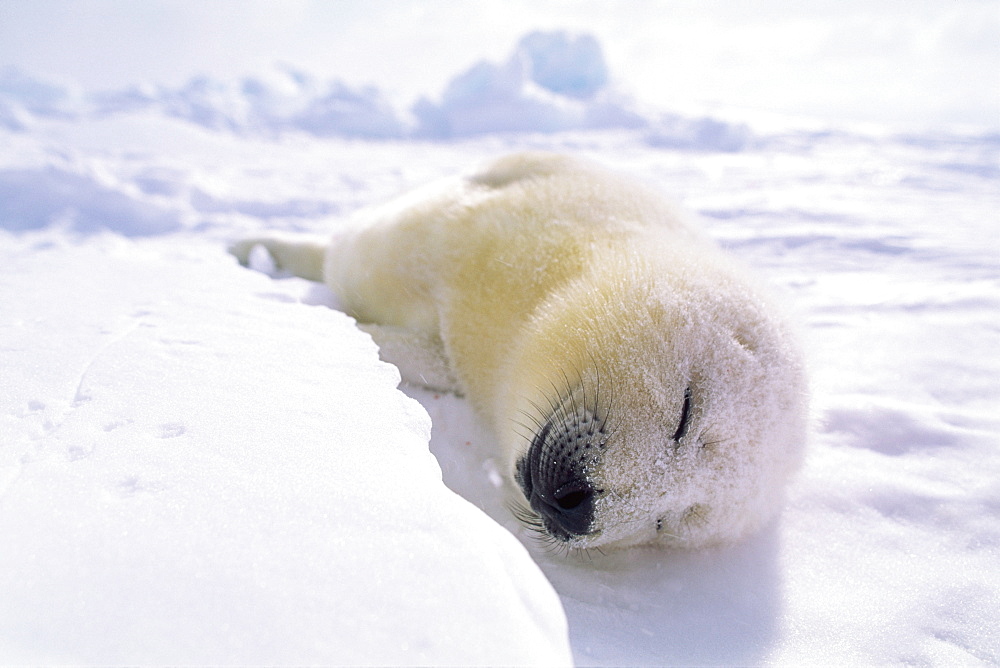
{"points": [[300, 256], [420, 358]]}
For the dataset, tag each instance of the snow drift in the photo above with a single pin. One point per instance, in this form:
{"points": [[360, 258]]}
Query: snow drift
{"points": [[552, 82], [197, 476]]}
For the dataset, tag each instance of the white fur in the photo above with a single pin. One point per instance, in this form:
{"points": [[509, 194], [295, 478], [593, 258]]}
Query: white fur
{"points": [[540, 279]]}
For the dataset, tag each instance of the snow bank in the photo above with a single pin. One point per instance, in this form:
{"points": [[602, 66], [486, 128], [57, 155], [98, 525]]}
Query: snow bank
{"points": [[699, 134], [37, 96], [12, 117], [53, 195], [280, 101], [551, 82], [199, 469]]}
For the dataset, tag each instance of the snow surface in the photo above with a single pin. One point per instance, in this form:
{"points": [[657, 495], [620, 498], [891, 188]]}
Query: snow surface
{"points": [[200, 464], [184, 481]]}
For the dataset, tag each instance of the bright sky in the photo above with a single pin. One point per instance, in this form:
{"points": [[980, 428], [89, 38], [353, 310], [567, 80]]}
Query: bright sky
{"points": [[913, 62]]}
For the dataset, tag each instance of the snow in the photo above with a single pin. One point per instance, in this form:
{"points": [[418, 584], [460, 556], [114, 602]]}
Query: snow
{"points": [[202, 464], [553, 81], [184, 481]]}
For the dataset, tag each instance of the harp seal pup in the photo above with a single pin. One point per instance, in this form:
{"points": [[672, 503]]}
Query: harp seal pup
{"points": [[640, 388]]}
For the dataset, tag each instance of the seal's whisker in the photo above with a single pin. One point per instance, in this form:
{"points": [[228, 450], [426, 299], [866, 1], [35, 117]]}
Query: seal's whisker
{"points": [[538, 423], [525, 432], [709, 439], [542, 414], [596, 368], [661, 532], [556, 404], [533, 523], [582, 385]]}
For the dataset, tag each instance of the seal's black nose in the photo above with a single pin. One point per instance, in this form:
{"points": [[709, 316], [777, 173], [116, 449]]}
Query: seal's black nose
{"points": [[553, 477], [568, 511]]}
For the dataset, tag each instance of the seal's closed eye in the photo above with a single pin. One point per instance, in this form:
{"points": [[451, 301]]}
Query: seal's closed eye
{"points": [[682, 427]]}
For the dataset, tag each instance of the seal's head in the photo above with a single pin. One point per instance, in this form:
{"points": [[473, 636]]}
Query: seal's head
{"points": [[668, 409]]}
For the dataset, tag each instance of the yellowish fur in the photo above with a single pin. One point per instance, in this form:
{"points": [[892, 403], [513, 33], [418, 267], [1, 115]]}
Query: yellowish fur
{"points": [[540, 279]]}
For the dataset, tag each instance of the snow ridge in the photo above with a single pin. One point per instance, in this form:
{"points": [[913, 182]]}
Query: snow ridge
{"points": [[552, 82]]}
